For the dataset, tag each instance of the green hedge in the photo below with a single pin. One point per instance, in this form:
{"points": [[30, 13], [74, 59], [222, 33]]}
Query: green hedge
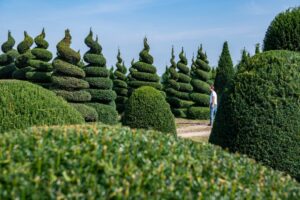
{"points": [[106, 113], [104, 162], [198, 112], [259, 113], [147, 108], [23, 104], [89, 113], [74, 96]]}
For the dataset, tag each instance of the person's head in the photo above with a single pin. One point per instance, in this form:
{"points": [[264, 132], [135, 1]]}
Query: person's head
{"points": [[212, 88]]}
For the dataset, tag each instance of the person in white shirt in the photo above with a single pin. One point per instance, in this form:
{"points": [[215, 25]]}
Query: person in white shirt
{"points": [[213, 104]]}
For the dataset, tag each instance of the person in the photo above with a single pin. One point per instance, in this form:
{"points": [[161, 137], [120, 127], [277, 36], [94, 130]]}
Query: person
{"points": [[213, 104]]}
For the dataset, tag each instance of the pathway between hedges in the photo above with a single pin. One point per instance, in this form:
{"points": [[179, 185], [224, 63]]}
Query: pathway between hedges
{"points": [[194, 129]]}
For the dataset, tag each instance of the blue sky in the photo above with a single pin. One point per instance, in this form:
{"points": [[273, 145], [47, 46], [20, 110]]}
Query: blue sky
{"points": [[124, 23]]}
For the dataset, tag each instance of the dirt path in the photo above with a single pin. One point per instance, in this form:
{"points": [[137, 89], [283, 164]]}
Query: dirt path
{"points": [[195, 129]]}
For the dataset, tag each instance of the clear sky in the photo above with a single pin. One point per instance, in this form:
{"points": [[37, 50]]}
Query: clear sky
{"points": [[124, 23]]}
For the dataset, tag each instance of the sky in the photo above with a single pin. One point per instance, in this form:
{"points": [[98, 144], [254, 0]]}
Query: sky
{"points": [[124, 23]]}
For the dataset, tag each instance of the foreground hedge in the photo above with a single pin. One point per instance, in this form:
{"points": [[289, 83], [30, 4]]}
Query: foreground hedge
{"points": [[103, 162], [23, 104]]}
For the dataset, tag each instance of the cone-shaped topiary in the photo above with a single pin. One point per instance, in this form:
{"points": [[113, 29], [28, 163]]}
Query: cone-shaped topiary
{"points": [[7, 59], [180, 90], [225, 71], [240, 67], [200, 95], [284, 31], [148, 109], [67, 78], [97, 75], [41, 74], [259, 114], [22, 61], [143, 73], [120, 84], [257, 48], [212, 75], [165, 78]]}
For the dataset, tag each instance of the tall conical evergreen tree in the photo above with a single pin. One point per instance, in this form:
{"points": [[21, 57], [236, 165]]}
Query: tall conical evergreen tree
{"points": [[243, 62], [225, 71], [7, 59], [180, 99], [201, 89], [98, 77], [67, 78], [143, 73], [22, 61], [41, 74], [257, 48], [165, 77], [120, 84]]}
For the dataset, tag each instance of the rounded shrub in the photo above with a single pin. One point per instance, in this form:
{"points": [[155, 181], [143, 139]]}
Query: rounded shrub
{"points": [[102, 94], [147, 108], [7, 59], [284, 31], [104, 162], [259, 113], [23, 104]]}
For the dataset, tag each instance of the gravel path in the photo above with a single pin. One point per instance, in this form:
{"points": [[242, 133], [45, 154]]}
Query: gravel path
{"points": [[192, 128]]}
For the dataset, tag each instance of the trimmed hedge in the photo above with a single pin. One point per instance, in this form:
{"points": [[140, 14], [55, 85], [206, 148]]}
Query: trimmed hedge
{"points": [[147, 108], [259, 113], [143, 73], [283, 32], [7, 65], [100, 84], [23, 104], [89, 113], [104, 162]]}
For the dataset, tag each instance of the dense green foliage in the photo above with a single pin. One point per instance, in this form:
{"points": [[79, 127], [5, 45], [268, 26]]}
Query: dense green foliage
{"points": [[120, 84], [240, 67], [225, 71], [41, 74], [23, 104], [180, 87], [22, 61], [103, 162], [143, 73], [68, 78], [259, 114], [7, 59], [103, 97], [148, 109], [200, 94], [284, 31]]}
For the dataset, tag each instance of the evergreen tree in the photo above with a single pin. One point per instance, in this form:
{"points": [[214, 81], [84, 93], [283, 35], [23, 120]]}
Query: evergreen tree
{"points": [[42, 69], [179, 89], [98, 77], [68, 78], [7, 59], [120, 84], [243, 62], [200, 76], [257, 48], [225, 70], [22, 61], [165, 78], [212, 75], [143, 73]]}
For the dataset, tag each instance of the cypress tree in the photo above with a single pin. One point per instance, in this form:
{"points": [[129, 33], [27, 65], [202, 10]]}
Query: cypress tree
{"points": [[98, 77], [243, 62], [67, 78], [200, 76], [120, 84], [41, 74], [22, 61], [7, 59], [165, 77], [257, 48], [143, 73], [179, 91], [225, 70]]}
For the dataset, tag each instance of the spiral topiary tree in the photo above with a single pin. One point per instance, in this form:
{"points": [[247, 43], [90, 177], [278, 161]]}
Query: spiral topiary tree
{"points": [[98, 77], [41, 74], [284, 31], [120, 84], [200, 95], [22, 61], [67, 79], [143, 73], [179, 91], [7, 59]]}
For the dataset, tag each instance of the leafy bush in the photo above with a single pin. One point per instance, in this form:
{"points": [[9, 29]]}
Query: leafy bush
{"points": [[283, 32], [147, 108], [259, 114], [23, 104], [103, 162], [106, 113]]}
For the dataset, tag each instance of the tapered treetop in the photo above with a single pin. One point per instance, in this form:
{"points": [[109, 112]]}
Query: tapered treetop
{"points": [[8, 45]]}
